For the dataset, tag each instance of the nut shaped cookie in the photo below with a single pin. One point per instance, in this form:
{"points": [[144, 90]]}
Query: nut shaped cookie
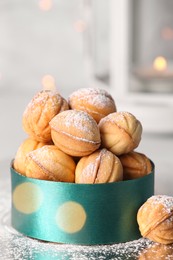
{"points": [[155, 219], [135, 165], [26, 146], [120, 132], [49, 163], [38, 113], [75, 133], [95, 101], [102, 166]]}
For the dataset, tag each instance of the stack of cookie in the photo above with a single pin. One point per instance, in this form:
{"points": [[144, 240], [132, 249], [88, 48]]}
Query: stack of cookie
{"points": [[83, 139]]}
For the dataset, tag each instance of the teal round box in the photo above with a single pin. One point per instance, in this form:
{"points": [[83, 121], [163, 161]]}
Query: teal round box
{"points": [[86, 214]]}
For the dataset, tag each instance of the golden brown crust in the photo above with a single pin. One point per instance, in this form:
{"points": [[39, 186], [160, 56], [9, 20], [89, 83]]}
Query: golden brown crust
{"points": [[120, 132], [155, 219], [26, 146], [75, 132], [96, 102], [102, 166], [135, 165], [49, 163], [38, 113]]}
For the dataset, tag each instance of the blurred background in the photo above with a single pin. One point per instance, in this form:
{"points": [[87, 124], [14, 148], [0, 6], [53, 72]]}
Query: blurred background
{"points": [[124, 46]]}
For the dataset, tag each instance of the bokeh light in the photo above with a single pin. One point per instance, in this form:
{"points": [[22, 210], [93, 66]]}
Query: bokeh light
{"points": [[48, 82], [45, 5], [160, 63]]}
